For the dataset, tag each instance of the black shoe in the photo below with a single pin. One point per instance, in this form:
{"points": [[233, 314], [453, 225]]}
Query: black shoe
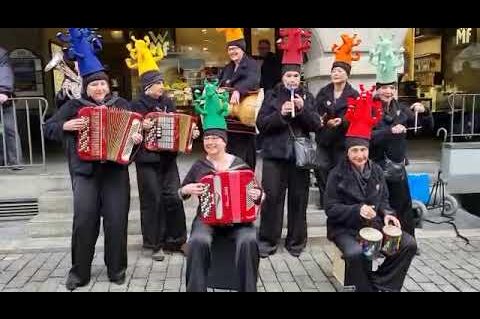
{"points": [[119, 280], [73, 282], [158, 255], [295, 253]]}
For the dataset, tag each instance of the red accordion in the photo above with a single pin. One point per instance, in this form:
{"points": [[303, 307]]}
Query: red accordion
{"points": [[107, 135], [171, 132], [225, 199]]}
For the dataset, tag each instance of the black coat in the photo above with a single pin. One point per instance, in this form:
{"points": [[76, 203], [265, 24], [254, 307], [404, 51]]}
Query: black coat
{"points": [[384, 142], [276, 136], [271, 73], [204, 167], [330, 108], [6, 74], [245, 79], [344, 198], [144, 105], [53, 130]]}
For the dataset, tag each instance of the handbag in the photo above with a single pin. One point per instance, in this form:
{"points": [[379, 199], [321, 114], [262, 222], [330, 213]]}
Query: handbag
{"points": [[393, 171], [305, 149]]}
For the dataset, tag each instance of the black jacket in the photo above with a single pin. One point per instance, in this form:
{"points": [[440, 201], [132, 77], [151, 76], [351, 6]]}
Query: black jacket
{"points": [[6, 74], [144, 105], [204, 167], [245, 79], [330, 108], [384, 142], [344, 198], [271, 72], [276, 136], [53, 130]]}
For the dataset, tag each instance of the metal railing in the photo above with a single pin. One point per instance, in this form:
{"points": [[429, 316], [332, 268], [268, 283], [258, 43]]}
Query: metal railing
{"points": [[463, 106], [9, 131]]}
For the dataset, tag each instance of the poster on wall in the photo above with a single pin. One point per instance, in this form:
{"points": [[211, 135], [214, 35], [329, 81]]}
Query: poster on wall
{"points": [[57, 75]]}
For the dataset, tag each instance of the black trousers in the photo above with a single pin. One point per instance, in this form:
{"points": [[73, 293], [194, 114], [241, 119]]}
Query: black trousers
{"points": [[199, 255], [329, 158], [401, 201], [243, 146], [162, 212], [277, 177], [107, 194], [389, 276]]}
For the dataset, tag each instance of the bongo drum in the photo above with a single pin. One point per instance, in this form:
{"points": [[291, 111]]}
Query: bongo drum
{"points": [[371, 241], [248, 108], [392, 236]]}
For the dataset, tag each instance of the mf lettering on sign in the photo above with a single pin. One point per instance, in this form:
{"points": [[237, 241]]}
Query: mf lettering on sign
{"points": [[464, 35]]}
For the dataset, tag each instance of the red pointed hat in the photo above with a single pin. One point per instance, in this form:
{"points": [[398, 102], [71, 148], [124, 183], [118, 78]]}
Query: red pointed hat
{"points": [[363, 114], [294, 42]]}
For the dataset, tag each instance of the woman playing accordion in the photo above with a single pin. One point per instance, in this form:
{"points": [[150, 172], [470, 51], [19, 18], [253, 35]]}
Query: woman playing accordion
{"points": [[243, 234], [100, 188]]}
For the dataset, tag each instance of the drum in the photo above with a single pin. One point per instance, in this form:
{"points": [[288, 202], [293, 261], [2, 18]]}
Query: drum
{"points": [[247, 110], [371, 241], [392, 236]]}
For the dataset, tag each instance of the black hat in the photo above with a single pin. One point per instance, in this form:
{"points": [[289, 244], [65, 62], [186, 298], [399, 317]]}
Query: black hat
{"points": [[216, 132], [347, 67], [240, 43], [291, 67], [149, 78], [94, 77], [379, 85], [356, 141]]}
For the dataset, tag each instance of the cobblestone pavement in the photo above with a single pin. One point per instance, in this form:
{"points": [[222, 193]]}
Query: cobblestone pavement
{"points": [[445, 264]]}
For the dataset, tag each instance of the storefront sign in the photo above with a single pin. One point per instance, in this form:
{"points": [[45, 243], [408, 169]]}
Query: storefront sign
{"points": [[464, 36]]}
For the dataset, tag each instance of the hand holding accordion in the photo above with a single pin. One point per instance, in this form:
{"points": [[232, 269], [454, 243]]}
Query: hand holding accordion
{"points": [[227, 198], [172, 132], [107, 134]]}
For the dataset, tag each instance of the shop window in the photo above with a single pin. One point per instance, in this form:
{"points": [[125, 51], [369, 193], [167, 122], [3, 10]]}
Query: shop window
{"points": [[261, 34], [27, 70], [462, 62]]}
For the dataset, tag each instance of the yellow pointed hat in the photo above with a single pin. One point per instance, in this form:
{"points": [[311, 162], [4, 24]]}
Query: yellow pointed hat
{"points": [[231, 34], [144, 55]]}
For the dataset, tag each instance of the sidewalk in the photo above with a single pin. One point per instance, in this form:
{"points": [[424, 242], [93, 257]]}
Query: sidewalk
{"points": [[445, 264]]}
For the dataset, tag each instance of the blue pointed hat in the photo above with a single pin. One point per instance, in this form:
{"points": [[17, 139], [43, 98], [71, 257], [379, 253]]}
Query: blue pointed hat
{"points": [[83, 46]]}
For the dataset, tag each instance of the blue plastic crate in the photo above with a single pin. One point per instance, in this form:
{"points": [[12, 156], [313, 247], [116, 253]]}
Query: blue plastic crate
{"points": [[419, 184]]}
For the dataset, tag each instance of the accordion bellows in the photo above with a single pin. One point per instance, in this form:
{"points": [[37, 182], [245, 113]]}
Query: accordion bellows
{"points": [[171, 132], [225, 199], [108, 134]]}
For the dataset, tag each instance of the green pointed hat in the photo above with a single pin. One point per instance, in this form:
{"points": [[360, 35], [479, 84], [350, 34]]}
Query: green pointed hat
{"points": [[386, 59]]}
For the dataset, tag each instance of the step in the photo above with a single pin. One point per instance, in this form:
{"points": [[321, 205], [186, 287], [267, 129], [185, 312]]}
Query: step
{"points": [[60, 224], [62, 201]]}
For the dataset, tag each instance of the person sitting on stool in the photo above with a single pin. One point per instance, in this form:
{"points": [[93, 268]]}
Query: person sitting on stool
{"points": [[200, 242], [356, 187]]}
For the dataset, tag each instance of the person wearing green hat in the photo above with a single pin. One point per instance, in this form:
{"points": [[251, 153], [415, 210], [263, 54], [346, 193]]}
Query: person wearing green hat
{"points": [[200, 242]]}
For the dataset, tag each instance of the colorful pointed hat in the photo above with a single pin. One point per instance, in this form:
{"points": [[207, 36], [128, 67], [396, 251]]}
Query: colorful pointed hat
{"points": [[212, 106], [294, 43], [387, 60], [234, 37], [83, 44], [144, 56], [362, 115], [344, 54]]}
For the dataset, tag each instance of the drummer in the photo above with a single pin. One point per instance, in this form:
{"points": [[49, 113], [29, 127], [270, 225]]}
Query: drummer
{"points": [[241, 76], [357, 192]]}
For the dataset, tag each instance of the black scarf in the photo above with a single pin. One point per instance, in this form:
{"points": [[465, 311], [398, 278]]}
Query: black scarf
{"points": [[362, 177]]}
